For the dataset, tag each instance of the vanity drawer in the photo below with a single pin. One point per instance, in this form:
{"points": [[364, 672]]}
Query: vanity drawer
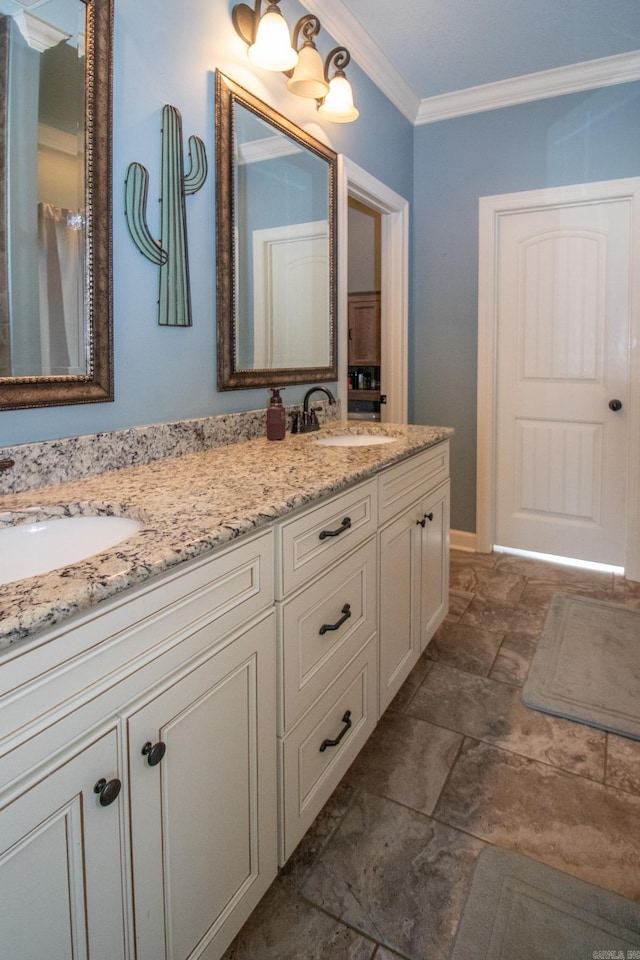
{"points": [[308, 773], [406, 482], [314, 541], [322, 627]]}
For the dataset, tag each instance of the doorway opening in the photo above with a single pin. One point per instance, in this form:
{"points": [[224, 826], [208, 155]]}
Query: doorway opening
{"points": [[363, 290], [393, 212]]}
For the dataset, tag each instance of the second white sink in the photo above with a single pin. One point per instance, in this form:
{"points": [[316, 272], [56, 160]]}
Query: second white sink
{"points": [[30, 549], [354, 440]]}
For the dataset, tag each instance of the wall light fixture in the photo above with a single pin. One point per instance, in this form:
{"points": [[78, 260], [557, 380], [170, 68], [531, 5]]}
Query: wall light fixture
{"points": [[270, 47], [307, 79], [338, 104], [267, 36]]}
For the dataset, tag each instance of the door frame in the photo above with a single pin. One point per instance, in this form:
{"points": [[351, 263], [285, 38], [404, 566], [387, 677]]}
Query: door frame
{"points": [[355, 182], [490, 211]]}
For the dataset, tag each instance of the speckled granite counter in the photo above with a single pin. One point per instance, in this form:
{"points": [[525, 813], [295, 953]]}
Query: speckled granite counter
{"points": [[189, 506]]}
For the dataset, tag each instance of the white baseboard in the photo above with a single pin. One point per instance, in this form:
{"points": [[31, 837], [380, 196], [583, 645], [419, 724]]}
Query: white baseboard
{"points": [[461, 540]]}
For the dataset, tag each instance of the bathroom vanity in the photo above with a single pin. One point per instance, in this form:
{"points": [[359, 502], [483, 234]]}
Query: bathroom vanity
{"points": [[175, 711]]}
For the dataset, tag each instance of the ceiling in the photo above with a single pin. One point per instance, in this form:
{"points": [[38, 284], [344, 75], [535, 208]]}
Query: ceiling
{"points": [[438, 58]]}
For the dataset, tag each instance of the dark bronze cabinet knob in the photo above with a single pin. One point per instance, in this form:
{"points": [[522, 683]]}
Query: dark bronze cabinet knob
{"points": [[107, 790], [154, 752]]}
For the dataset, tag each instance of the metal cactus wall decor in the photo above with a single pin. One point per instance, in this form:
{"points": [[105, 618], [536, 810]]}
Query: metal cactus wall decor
{"points": [[170, 251]]}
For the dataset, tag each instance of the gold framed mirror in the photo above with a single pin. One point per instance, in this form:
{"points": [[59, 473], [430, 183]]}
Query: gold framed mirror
{"points": [[276, 273], [56, 339]]}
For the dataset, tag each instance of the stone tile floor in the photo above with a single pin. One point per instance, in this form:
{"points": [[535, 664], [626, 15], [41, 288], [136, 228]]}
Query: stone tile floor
{"points": [[456, 763]]}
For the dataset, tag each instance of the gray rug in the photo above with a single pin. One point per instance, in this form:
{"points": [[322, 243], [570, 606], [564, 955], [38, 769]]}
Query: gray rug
{"points": [[587, 665], [518, 909]]}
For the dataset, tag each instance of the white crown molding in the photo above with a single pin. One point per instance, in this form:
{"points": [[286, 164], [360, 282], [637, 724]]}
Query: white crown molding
{"points": [[346, 29], [532, 86], [270, 148], [39, 34], [338, 21], [58, 140]]}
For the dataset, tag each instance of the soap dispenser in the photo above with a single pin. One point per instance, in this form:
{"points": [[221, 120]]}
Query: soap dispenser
{"points": [[276, 416]]}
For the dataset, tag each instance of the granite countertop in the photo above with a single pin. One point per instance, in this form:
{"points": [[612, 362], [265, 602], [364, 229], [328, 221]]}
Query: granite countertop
{"points": [[189, 506]]}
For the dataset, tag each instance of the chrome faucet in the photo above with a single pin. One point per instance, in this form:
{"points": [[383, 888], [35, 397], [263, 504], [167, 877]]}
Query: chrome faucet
{"points": [[307, 421]]}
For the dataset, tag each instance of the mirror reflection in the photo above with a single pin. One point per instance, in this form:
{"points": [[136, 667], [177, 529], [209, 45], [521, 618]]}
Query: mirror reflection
{"points": [[282, 224], [44, 135], [276, 246], [55, 102]]}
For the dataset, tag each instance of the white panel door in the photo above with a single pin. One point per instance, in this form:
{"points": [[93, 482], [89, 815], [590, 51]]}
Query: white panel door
{"points": [[435, 576], [203, 817], [291, 292], [61, 878], [563, 318], [400, 587]]}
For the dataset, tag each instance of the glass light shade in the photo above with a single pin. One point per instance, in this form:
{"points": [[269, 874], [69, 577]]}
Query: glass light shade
{"points": [[308, 77], [272, 49], [338, 105]]}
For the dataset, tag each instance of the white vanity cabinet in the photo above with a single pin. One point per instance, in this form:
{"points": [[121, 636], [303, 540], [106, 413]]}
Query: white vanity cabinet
{"points": [[414, 562], [61, 880], [160, 754], [327, 651], [178, 857]]}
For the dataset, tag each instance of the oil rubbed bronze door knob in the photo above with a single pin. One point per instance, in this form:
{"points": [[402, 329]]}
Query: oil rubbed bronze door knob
{"points": [[615, 405], [154, 752], [107, 790]]}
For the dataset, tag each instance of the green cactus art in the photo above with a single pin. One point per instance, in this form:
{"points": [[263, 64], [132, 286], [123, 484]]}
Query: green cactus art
{"points": [[170, 251]]}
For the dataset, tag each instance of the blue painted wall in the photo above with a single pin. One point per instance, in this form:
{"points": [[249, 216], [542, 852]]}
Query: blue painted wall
{"points": [[572, 139], [443, 168], [169, 56]]}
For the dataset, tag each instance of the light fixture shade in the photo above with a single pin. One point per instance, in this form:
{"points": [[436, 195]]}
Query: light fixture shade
{"points": [[338, 104], [308, 77], [272, 49]]}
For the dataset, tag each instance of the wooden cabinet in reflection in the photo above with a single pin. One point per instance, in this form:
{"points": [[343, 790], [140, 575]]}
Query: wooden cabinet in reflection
{"points": [[364, 329]]}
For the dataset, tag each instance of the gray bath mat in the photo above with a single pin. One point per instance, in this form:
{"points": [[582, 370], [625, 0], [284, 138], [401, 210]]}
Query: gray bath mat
{"points": [[587, 665], [518, 909]]}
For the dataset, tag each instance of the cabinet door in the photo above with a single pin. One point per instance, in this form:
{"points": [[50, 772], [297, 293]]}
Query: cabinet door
{"points": [[61, 886], [435, 546], [204, 817], [400, 600], [364, 329]]}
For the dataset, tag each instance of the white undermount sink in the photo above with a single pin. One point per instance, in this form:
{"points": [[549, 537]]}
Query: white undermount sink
{"points": [[354, 440], [30, 549]]}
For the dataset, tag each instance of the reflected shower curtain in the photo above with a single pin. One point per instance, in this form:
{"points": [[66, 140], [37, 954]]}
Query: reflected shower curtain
{"points": [[61, 285]]}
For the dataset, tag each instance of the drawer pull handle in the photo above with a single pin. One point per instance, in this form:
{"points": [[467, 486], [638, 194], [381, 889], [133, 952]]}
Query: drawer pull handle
{"points": [[334, 743], [346, 613], [107, 790], [346, 523], [154, 752]]}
